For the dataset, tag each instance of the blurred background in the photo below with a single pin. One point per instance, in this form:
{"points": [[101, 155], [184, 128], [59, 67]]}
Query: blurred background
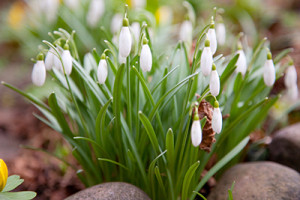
{"points": [[25, 23]]}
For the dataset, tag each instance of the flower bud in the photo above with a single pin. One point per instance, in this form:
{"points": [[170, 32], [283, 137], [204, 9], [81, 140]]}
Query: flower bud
{"points": [[293, 92], [290, 78], [186, 31], [146, 56], [139, 3], [241, 63], [196, 131], [221, 33], [269, 71], [50, 8], [67, 60], [211, 36], [3, 174], [206, 59], [125, 40], [102, 70], [217, 118], [214, 84], [96, 10], [38, 75], [72, 4], [122, 60]]}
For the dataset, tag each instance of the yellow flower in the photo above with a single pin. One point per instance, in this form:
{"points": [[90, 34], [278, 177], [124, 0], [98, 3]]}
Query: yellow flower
{"points": [[3, 174], [16, 14]]}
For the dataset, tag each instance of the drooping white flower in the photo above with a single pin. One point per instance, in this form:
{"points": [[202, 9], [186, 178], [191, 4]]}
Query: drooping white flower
{"points": [[72, 4], [116, 23], [221, 33], [217, 118], [146, 56], [38, 75], [269, 71], [122, 60], [136, 29], [241, 63], [102, 70], [125, 40], [292, 92], [49, 60], [211, 36], [50, 9], [290, 78], [196, 131], [214, 84], [67, 60], [206, 59], [95, 12], [139, 3], [186, 31], [57, 61]]}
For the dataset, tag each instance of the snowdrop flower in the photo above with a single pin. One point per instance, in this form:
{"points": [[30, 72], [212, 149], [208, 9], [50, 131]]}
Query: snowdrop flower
{"points": [[125, 40], [293, 92], [38, 75], [116, 23], [67, 59], [206, 59], [102, 70], [146, 56], [196, 131], [136, 29], [50, 9], [96, 10], [186, 31], [211, 36], [241, 63], [214, 84], [290, 78], [122, 60], [72, 4], [138, 3], [217, 118], [221, 33], [49, 60], [57, 63], [269, 71]]}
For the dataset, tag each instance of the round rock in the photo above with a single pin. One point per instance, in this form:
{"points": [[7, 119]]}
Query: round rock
{"points": [[111, 191], [285, 147], [258, 181]]}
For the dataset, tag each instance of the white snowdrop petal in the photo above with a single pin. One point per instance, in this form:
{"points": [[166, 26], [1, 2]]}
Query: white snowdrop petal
{"points": [[217, 120], [211, 36], [57, 62], [293, 92], [221, 33], [206, 61], [186, 31], [290, 78], [116, 23], [241, 63], [214, 84], [122, 60], [102, 71], [196, 133], [38, 75], [72, 4], [269, 73], [50, 8], [146, 58], [67, 60], [125, 42], [49, 60], [136, 29], [139, 3], [95, 12]]}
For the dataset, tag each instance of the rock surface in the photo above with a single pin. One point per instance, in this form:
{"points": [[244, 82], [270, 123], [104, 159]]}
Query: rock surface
{"points": [[258, 181], [111, 191], [285, 147]]}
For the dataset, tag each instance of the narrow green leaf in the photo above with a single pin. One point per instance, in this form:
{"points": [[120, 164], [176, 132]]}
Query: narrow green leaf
{"points": [[160, 181], [113, 162], [187, 179], [170, 148]]}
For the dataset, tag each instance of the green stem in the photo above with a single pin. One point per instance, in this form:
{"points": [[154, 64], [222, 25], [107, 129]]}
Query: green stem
{"points": [[129, 119]]}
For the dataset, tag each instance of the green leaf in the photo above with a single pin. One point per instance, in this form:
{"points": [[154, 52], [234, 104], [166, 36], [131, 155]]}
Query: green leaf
{"points": [[221, 164], [17, 195], [113, 162], [187, 179], [160, 181], [200, 195], [170, 148], [13, 181], [230, 197]]}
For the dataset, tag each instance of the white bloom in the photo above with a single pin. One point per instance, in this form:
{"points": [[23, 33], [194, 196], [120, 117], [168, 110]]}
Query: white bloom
{"points": [[211, 36], [96, 10], [122, 60], [125, 41], [50, 8], [49, 60], [72, 4], [186, 31], [196, 133], [102, 71], [293, 92], [136, 29], [269, 72], [214, 84], [67, 61], [206, 59], [290, 78], [217, 120], [57, 62], [241, 63], [139, 3], [116, 23], [146, 58], [221, 33], [38, 75]]}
